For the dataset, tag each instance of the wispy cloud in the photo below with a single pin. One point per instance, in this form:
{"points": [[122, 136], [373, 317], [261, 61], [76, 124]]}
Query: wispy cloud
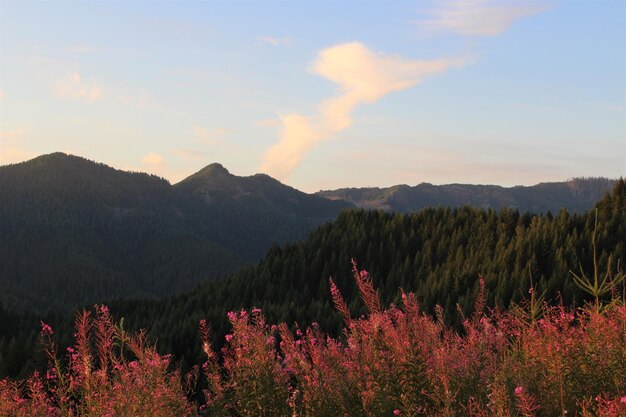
{"points": [[11, 148], [363, 76], [190, 154], [80, 48], [74, 87], [480, 17], [210, 136], [10, 135], [14, 154], [152, 160], [268, 122], [271, 40]]}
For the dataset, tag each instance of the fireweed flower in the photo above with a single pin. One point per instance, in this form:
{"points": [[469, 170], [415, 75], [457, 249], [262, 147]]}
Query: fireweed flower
{"points": [[45, 329], [437, 368]]}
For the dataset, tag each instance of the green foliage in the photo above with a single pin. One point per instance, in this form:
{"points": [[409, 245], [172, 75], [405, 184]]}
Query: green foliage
{"points": [[394, 361], [73, 231], [438, 253], [596, 287]]}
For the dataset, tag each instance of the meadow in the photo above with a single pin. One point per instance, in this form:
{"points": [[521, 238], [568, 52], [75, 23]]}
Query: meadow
{"points": [[532, 359]]}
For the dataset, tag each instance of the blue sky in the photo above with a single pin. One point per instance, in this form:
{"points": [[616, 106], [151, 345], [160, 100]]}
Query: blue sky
{"points": [[321, 94]]}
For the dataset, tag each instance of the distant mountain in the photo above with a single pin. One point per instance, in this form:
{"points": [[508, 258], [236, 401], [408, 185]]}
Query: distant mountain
{"points": [[75, 231], [438, 253], [576, 195], [252, 212]]}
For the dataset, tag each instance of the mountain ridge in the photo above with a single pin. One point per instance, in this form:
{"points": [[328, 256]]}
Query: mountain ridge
{"points": [[74, 231], [577, 194]]}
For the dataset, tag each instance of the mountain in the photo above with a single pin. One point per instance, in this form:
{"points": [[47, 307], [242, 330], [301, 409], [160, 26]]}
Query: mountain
{"points": [[74, 231], [252, 212], [437, 253], [576, 195]]}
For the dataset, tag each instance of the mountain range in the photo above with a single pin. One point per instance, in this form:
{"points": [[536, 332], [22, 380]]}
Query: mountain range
{"points": [[73, 231], [439, 253], [575, 195]]}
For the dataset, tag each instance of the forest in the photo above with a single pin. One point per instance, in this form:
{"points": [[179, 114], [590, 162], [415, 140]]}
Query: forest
{"points": [[439, 254], [73, 231]]}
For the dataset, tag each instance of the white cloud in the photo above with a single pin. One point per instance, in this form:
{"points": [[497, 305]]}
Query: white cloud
{"points": [[11, 150], [480, 17], [75, 88], [270, 40], [14, 154], [10, 135], [363, 76], [210, 136], [190, 154], [268, 122], [152, 160], [80, 48]]}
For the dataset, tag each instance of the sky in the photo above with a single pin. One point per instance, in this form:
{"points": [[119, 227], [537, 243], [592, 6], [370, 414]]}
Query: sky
{"points": [[321, 94]]}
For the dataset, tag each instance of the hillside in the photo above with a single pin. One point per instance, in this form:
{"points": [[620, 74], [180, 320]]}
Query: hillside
{"points": [[249, 213], [576, 195], [73, 231], [436, 252]]}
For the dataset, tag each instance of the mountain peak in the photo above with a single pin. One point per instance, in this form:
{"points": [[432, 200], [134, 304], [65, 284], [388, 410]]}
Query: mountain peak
{"points": [[57, 157], [211, 171], [214, 169]]}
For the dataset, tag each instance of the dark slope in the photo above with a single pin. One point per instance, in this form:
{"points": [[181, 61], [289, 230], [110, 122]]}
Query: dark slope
{"points": [[576, 195], [74, 231], [253, 212], [436, 252]]}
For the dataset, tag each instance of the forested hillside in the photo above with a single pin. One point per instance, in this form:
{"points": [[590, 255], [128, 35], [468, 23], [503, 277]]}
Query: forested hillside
{"points": [[438, 253], [576, 195], [247, 214], [75, 231]]}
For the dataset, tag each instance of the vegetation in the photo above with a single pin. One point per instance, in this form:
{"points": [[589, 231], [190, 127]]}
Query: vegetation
{"points": [[412, 252], [73, 231], [533, 360], [436, 253], [577, 195]]}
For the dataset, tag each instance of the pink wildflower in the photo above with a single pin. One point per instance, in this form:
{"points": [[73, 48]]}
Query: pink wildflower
{"points": [[519, 390], [46, 330], [396, 412]]}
